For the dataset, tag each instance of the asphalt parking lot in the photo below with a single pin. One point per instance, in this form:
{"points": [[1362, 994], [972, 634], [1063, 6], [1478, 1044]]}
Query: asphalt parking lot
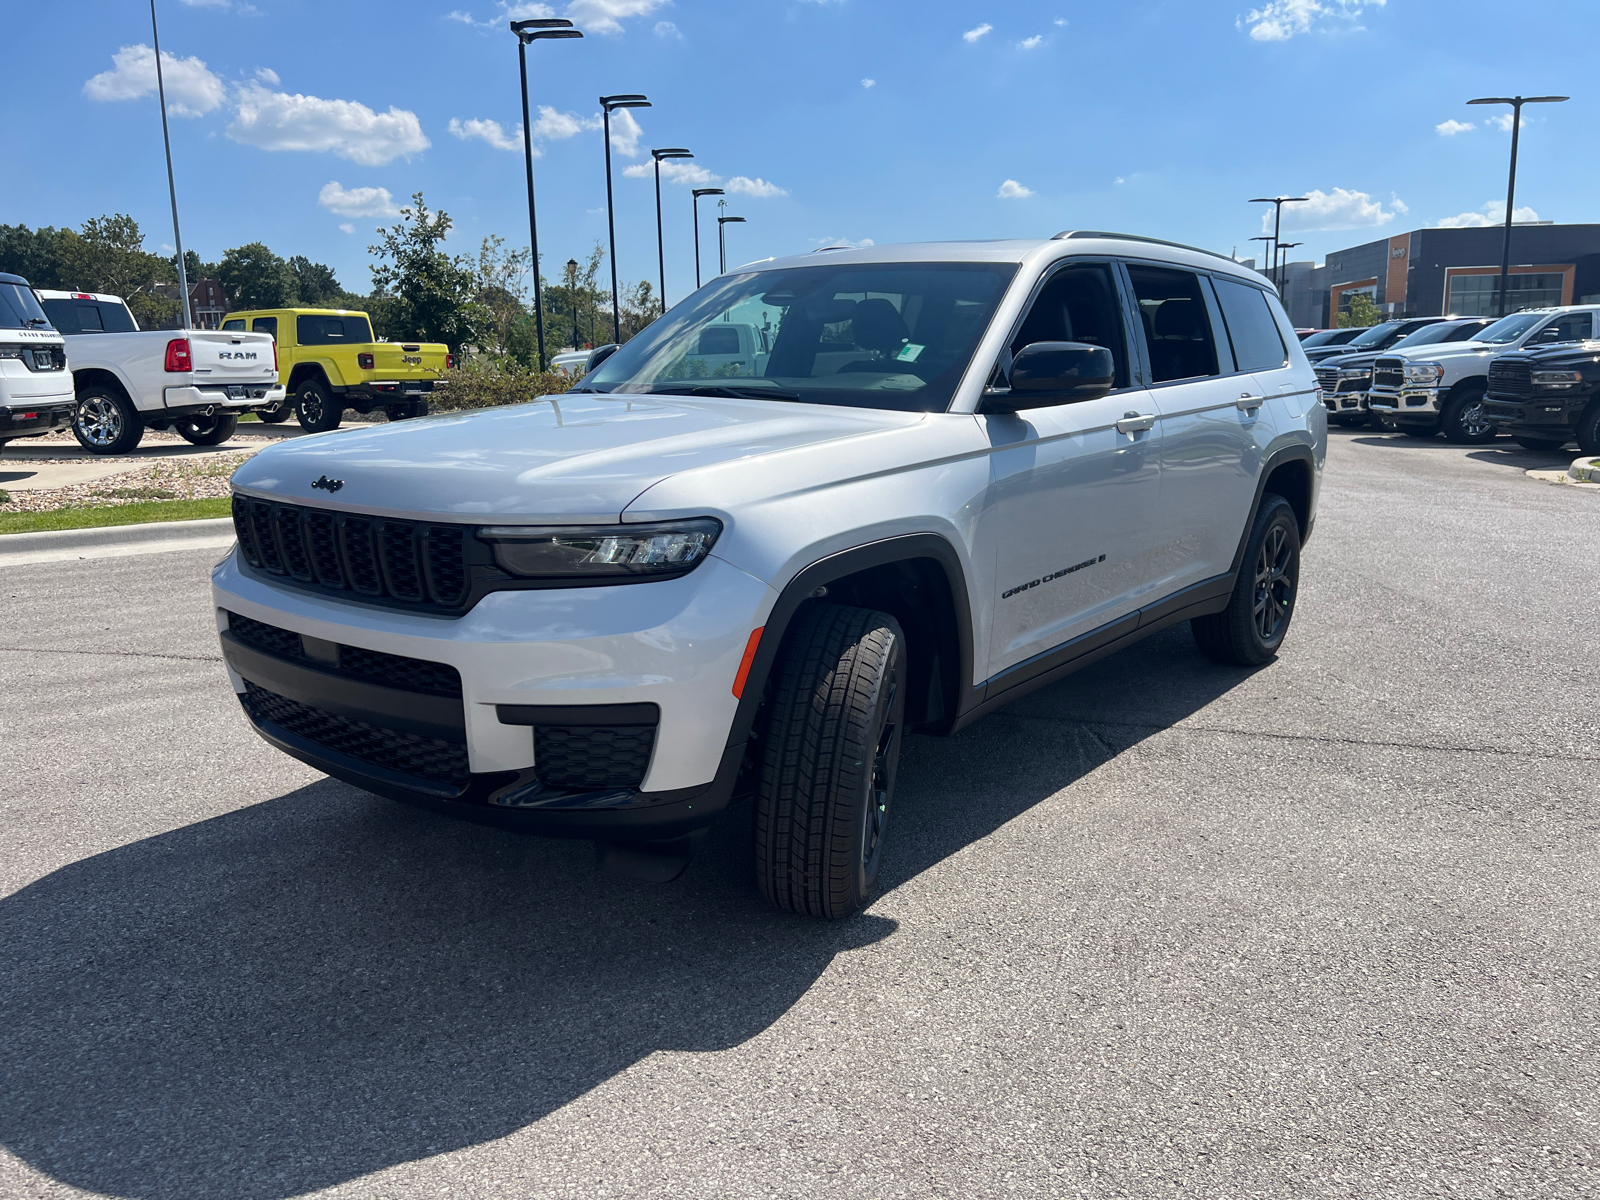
{"points": [[1164, 929]]}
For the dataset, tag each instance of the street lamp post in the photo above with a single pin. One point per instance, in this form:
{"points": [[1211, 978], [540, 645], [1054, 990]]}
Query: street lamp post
{"points": [[1277, 223], [572, 297], [172, 187], [661, 249], [1283, 290], [722, 240], [537, 29], [607, 103], [1516, 103], [698, 192]]}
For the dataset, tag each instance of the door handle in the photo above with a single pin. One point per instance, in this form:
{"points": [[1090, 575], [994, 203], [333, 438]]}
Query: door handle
{"points": [[1136, 422], [1249, 403]]}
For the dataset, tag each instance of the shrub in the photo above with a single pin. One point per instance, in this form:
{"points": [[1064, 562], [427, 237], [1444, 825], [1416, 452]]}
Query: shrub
{"points": [[481, 384]]}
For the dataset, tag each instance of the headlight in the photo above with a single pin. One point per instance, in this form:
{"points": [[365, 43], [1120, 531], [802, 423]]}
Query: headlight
{"points": [[616, 552], [1355, 372], [1424, 372], [1557, 379]]}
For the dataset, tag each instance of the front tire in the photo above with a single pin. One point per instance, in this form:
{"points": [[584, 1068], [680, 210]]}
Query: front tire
{"points": [[207, 431], [1251, 629], [105, 422], [316, 408], [1462, 419], [831, 754], [1589, 429]]}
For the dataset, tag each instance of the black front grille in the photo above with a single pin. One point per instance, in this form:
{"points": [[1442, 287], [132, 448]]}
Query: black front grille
{"points": [[370, 666], [586, 758], [1510, 379], [1389, 372], [402, 563], [392, 749]]}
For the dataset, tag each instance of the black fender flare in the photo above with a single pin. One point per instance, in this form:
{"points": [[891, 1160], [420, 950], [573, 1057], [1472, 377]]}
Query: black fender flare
{"points": [[1296, 453]]}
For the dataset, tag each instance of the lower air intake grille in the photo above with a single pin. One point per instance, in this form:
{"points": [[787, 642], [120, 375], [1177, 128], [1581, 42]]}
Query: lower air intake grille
{"points": [[372, 666], [406, 753], [587, 758], [405, 564]]}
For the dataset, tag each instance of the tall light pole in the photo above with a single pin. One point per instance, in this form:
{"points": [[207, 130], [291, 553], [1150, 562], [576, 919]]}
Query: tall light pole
{"points": [[607, 103], [661, 249], [172, 187], [537, 29], [722, 239], [1283, 291], [1516, 103], [1277, 223], [572, 297], [698, 192]]}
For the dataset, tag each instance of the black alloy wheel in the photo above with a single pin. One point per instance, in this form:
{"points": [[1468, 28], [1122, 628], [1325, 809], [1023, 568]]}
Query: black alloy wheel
{"points": [[1589, 429], [316, 409], [1274, 584], [1251, 629]]}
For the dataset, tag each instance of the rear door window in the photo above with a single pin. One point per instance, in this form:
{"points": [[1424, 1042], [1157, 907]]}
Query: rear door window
{"points": [[234, 326], [1257, 344], [108, 317], [1570, 327], [1177, 329], [63, 315]]}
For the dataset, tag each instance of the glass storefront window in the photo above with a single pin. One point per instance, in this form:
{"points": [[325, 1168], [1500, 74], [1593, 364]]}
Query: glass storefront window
{"points": [[1474, 295]]}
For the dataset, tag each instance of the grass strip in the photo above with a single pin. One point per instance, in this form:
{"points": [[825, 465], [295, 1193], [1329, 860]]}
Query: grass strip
{"points": [[114, 514]]}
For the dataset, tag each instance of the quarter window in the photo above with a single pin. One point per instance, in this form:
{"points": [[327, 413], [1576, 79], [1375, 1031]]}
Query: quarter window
{"points": [[332, 331], [1257, 344], [234, 326], [265, 325], [1177, 331]]}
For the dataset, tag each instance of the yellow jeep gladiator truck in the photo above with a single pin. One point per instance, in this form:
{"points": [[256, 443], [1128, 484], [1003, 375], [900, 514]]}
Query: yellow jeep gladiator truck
{"points": [[328, 361]]}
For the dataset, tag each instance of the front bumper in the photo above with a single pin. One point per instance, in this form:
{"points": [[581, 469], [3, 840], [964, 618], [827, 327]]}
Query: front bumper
{"points": [[1348, 403], [233, 397], [1406, 402], [1537, 413], [20, 419], [527, 661]]}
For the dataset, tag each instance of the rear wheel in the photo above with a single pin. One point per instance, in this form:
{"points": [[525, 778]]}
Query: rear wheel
{"points": [[207, 431], [1589, 429], [276, 416], [1539, 443], [1462, 419], [316, 408], [1249, 631], [831, 753], [105, 422]]}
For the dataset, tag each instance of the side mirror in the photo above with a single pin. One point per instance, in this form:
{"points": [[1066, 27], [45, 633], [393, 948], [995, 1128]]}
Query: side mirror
{"points": [[1551, 333], [599, 354], [1049, 373]]}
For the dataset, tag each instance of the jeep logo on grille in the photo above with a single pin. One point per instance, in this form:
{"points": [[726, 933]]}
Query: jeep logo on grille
{"points": [[328, 485]]}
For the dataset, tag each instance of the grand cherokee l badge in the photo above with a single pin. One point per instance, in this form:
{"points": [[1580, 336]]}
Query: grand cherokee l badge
{"points": [[328, 485]]}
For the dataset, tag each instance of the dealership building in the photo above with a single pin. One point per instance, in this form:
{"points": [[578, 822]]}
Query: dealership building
{"points": [[1436, 272]]}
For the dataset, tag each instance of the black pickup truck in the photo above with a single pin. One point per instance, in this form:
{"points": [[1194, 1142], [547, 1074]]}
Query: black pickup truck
{"points": [[1547, 398]]}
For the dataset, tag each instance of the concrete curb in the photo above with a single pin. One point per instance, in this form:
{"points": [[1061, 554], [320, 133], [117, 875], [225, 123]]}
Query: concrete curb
{"points": [[114, 541], [1584, 470]]}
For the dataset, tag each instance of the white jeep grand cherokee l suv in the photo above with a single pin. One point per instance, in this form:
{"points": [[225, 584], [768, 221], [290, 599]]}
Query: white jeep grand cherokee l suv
{"points": [[960, 471]]}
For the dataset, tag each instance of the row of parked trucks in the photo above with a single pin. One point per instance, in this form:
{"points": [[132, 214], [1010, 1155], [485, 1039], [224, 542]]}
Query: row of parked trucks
{"points": [[1534, 375], [80, 360]]}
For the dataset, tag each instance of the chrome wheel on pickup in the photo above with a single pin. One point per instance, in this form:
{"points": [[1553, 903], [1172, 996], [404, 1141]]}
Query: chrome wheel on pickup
{"points": [[1463, 421], [105, 423]]}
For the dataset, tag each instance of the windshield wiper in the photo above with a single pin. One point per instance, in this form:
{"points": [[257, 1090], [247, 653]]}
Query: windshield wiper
{"points": [[37, 321], [723, 389]]}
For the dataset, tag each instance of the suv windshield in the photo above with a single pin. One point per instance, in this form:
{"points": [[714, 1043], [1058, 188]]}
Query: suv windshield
{"points": [[869, 335], [1373, 336], [1509, 329], [19, 308]]}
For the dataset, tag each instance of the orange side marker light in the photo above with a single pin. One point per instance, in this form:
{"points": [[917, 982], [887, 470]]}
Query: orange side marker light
{"points": [[746, 661]]}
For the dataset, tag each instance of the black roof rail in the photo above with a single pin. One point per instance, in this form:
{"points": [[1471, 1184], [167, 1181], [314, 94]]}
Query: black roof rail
{"points": [[1069, 234]]}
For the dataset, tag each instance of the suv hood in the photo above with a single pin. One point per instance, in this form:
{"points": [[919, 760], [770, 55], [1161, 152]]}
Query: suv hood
{"points": [[566, 459]]}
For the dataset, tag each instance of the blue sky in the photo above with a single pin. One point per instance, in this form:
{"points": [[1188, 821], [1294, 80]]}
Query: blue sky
{"points": [[304, 121]]}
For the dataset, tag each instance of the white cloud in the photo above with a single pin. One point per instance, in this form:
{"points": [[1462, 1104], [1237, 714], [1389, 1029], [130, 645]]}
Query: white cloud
{"points": [[242, 7], [973, 35], [1012, 190], [1452, 127], [486, 130], [279, 121], [1119, 179], [869, 83], [606, 16], [1280, 20], [1031, 43], [552, 126], [1492, 213], [673, 170], [268, 76], [1061, 22], [743, 185], [206, 3], [1503, 122], [346, 227], [625, 132], [1338, 209], [357, 202], [192, 90], [845, 242], [666, 29]]}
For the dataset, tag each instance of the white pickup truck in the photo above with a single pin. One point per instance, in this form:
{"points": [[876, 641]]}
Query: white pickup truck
{"points": [[196, 382]]}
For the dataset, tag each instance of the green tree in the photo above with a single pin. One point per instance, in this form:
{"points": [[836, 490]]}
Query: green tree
{"points": [[35, 254], [1362, 313], [503, 296], [572, 306], [257, 278], [438, 292], [316, 284]]}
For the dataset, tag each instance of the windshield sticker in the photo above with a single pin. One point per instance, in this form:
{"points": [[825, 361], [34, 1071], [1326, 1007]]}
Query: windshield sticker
{"points": [[909, 352]]}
